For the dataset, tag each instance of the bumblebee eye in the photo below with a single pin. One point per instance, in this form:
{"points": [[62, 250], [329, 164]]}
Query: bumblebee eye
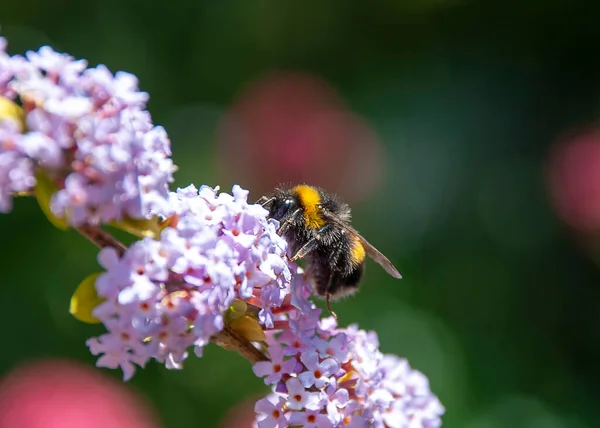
{"points": [[283, 209]]}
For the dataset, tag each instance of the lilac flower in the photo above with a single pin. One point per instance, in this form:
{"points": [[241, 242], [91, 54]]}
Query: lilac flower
{"points": [[88, 130], [271, 413], [336, 347], [299, 398], [317, 373], [293, 343], [16, 170], [349, 417], [16, 175], [309, 419], [275, 368], [171, 293], [117, 352], [88, 133], [344, 379]]}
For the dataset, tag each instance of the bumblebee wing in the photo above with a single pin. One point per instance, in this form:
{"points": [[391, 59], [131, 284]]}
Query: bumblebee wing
{"points": [[371, 251]]}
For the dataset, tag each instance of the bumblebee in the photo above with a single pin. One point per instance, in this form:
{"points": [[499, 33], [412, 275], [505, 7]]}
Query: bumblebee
{"points": [[316, 226]]}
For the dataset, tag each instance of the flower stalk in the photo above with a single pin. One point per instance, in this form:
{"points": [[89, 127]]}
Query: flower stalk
{"points": [[101, 239]]}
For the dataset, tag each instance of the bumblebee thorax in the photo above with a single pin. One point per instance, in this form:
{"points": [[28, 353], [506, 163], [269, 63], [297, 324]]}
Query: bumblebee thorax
{"points": [[310, 201]]}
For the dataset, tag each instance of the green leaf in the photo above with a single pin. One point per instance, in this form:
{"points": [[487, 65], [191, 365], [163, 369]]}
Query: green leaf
{"points": [[85, 300], [236, 310], [139, 227], [248, 326], [9, 110], [44, 189]]}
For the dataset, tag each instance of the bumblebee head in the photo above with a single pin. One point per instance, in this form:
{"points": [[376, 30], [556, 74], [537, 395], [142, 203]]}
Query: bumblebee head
{"points": [[281, 205]]}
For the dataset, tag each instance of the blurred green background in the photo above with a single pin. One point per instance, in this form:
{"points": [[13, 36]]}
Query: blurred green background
{"points": [[462, 101]]}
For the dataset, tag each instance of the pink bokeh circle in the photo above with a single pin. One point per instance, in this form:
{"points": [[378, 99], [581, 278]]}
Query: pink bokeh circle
{"points": [[66, 394]]}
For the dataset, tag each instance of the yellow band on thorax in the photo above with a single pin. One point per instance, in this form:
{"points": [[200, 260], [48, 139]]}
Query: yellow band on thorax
{"points": [[310, 201]]}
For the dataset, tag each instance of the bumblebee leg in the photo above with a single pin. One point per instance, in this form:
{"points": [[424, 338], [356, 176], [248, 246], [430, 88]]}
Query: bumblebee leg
{"points": [[306, 248], [287, 223], [327, 302], [332, 277], [265, 200], [309, 246]]}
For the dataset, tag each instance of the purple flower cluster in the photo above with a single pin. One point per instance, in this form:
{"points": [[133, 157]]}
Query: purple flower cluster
{"points": [[88, 130], [168, 294], [323, 376]]}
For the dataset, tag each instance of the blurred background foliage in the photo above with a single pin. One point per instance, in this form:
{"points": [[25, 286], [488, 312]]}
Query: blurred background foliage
{"points": [[435, 118]]}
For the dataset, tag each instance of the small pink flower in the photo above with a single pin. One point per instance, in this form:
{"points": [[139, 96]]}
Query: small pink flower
{"points": [[336, 348], [299, 398], [271, 412], [310, 419], [294, 343], [275, 368], [317, 373]]}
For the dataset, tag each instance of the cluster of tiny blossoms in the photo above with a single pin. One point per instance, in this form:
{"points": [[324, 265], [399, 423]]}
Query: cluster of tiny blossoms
{"points": [[88, 131], [324, 376], [168, 294]]}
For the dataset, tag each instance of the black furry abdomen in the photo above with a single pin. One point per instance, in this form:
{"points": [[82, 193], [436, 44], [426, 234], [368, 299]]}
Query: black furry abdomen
{"points": [[338, 277]]}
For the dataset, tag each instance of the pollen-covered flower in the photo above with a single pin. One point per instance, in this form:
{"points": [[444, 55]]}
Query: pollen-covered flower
{"points": [[87, 131]]}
